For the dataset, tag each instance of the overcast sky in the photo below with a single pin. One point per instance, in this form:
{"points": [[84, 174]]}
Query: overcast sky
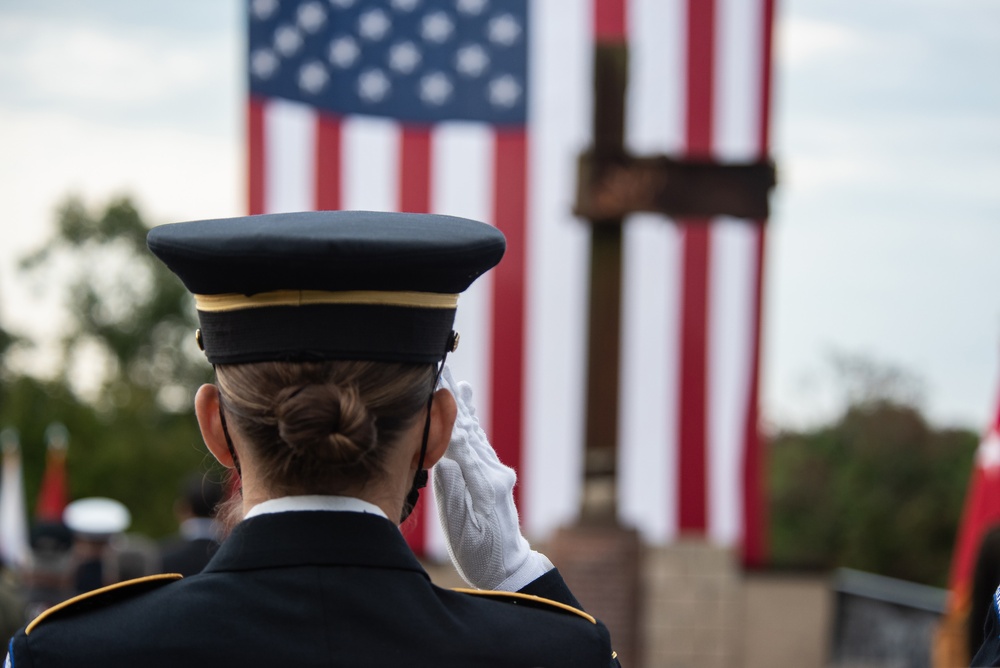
{"points": [[886, 131]]}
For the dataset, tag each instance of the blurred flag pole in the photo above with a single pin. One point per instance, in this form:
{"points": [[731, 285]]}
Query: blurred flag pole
{"points": [[14, 547], [54, 493]]}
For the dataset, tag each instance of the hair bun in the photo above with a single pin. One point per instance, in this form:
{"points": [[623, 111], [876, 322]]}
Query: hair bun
{"points": [[325, 422]]}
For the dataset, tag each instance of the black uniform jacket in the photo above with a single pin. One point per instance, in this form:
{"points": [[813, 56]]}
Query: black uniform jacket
{"points": [[314, 588], [989, 653], [187, 557]]}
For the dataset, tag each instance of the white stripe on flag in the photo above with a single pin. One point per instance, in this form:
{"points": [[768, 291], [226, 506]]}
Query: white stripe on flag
{"points": [[731, 289], [369, 164], [648, 405], [559, 128], [651, 306], [461, 185], [733, 266], [290, 144], [738, 80], [657, 59]]}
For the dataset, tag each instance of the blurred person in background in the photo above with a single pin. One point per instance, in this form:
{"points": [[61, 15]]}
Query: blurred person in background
{"points": [[93, 522], [13, 607], [48, 578], [198, 537]]}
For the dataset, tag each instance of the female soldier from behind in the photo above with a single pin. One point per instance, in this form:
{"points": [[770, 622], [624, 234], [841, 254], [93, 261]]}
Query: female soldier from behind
{"points": [[328, 331]]}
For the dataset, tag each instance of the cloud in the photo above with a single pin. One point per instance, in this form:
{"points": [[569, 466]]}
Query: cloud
{"points": [[51, 62], [171, 175], [802, 41]]}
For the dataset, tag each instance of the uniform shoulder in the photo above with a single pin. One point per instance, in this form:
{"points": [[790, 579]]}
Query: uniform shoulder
{"points": [[103, 597], [527, 600]]}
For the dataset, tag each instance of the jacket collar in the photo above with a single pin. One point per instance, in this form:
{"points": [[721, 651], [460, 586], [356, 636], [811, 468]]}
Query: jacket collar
{"points": [[314, 538]]}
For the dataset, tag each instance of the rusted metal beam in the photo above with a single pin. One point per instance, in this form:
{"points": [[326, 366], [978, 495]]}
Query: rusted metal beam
{"points": [[603, 345], [611, 187]]}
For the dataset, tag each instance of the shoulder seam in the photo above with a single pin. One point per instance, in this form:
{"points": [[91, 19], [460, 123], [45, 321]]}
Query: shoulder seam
{"points": [[515, 596], [162, 578]]}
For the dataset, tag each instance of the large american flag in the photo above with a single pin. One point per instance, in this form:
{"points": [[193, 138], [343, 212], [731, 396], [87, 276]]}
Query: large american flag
{"points": [[478, 108]]}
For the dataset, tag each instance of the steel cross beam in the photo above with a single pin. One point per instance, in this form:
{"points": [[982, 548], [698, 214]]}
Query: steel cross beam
{"points": [[612, 184]]}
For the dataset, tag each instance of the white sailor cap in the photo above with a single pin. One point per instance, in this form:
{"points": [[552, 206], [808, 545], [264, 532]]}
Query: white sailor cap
{"points": [[96, 517]]}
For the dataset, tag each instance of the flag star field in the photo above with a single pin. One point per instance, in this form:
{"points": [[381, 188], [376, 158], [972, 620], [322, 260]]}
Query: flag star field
{"points": [[418, 61]]}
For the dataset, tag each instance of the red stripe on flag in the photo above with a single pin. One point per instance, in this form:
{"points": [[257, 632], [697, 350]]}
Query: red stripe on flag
{"points": [[327, 163], [693, 484], [256, 158], [510, 216], [415, 197], [700, 77], [755, 525], [415, 169], [609, 21]]}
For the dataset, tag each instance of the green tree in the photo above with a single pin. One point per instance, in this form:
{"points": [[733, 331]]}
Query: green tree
{"points": [[131, 327], [878, 489], [125, 308]]}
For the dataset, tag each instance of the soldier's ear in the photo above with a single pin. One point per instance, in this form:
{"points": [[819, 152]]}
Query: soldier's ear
{"points": [[206, 408], [443, 414]]}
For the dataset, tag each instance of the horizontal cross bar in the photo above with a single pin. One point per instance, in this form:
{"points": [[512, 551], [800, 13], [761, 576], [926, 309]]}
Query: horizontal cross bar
{"points": [[611, 188]]}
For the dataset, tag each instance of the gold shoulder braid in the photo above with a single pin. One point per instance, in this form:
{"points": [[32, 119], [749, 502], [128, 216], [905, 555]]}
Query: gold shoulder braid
{"points": [[528, 600], [95, 596], [531, 601]]}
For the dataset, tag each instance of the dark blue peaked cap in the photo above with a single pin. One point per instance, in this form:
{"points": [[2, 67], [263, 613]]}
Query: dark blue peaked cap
{"points": [[327, 284]]}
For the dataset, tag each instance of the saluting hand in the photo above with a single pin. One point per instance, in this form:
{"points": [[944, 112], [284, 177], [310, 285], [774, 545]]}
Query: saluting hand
{"points": [[475, 501]]}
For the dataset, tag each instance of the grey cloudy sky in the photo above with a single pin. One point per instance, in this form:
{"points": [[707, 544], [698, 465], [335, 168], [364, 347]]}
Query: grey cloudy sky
{"points": [[886, 131]]}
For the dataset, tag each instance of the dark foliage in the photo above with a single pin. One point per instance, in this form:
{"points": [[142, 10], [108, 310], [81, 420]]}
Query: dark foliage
{"points": [[132, 432], [878, 490]]}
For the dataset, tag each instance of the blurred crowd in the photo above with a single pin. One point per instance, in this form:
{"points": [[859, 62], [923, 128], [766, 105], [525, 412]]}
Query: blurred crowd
{"points": [[91, 547]]}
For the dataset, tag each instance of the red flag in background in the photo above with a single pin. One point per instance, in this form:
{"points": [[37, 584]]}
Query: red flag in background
{"points": [[957, 637], [54, 493], [982, 510], [480, 109]]}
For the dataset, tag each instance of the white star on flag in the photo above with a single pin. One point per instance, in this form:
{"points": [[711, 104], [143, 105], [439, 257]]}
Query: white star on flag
{"points": [[344, 52], [471, 60], [437, 27], [471, 7], [373, 85], [435, 88], [287, 41], [404, 57], [313, 77], [374, 25], [311, 17], [263, 63], [504, 30], [504, 91]]}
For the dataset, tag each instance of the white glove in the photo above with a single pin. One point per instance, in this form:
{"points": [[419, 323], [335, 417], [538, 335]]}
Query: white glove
{"points": [[475, 502]]}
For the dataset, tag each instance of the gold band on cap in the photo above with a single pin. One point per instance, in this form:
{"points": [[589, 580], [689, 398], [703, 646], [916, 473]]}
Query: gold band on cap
{"points": [[238, 302]]}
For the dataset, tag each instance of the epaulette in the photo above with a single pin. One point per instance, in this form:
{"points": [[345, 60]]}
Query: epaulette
{"points": [[105, 596], [527, 600]]}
